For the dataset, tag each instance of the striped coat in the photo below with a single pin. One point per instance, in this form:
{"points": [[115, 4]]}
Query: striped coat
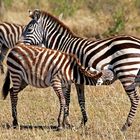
{"points": [[9, 36], [41, 67], [120, 54]]}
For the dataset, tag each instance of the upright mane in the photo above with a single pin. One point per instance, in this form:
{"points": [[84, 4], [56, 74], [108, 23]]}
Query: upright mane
{"points": [[45, 13]]}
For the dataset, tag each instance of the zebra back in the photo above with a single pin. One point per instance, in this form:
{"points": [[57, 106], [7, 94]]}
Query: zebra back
{"points": [[9, 36], [10, 33]]}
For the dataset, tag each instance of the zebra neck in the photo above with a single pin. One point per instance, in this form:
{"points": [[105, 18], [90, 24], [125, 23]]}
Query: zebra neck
{"points": [[58, 41], [57, 35]]}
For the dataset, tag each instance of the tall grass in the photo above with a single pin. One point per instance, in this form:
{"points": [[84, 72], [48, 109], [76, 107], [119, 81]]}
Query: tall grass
{"points": [[65, 7]]}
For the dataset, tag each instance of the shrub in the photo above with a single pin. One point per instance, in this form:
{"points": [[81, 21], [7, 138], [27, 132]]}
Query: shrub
{"points": [[65, 7], [118, 23]]}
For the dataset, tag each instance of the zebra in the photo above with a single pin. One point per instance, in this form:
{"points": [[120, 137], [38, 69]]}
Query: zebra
{"points": [[119, 54], [43, 67], [9, 36]]}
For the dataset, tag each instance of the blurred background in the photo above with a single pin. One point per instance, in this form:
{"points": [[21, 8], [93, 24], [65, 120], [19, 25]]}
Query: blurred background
{"points": [[87, 18]]}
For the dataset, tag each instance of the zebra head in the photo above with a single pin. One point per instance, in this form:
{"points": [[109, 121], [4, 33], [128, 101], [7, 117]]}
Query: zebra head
{"points": [[32, 33], [52, 30]]}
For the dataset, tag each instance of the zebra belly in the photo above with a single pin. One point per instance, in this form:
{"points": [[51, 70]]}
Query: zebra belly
{"points": [[39, 81]]}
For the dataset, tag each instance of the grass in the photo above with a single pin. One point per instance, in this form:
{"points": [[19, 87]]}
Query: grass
{"points": [[107, 108]]}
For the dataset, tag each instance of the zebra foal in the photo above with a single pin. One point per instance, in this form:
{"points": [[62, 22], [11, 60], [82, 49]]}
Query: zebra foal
{"points": [[41, 67], [9, 36]]}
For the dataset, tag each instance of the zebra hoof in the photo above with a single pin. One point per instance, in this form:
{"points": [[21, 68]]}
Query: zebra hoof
{"points": [[59, 128], [125, 126], [83, 122], [15, 124], [69, 126]]}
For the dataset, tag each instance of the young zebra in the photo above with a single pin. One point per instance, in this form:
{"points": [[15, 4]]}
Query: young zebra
{"points": [[9, 36], [120, 54], [41, 67]]}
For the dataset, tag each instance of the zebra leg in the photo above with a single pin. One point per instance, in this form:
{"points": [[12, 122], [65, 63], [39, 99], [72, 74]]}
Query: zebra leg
{"points": [[1, 66], [81, 100], [66, 92], [56, 84], [134, 98], [14, 99], [3, 53]]}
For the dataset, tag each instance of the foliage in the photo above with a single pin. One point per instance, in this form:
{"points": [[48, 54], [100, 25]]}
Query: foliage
{"points": [[137, 3], [7, 3], [65, 7], [105, 5], [118, 23], [33, 3]]}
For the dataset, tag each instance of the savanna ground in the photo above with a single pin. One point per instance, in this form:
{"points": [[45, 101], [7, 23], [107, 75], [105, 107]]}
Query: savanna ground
{"points": [[107, 106]]}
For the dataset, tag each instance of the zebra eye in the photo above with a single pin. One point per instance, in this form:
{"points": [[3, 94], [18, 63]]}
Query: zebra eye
{"points": [[30, 29]]}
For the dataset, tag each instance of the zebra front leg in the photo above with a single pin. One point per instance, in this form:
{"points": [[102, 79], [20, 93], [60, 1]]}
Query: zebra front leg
{"points": [[1, 65], [1, 68], [134, 98], [66, 92], [14, 99], [81, 100], [3, 53], [56, 84]]}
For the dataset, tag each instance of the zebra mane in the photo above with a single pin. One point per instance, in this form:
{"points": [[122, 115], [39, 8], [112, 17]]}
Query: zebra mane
{"points": [[54, 18]]}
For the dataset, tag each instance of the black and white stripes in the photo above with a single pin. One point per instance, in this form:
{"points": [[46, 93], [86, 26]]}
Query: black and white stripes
{"points": [[41, 67], [9, 35], [120, 54]]}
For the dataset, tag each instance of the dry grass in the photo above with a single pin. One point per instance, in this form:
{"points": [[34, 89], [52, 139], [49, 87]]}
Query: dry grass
{"points": [[85, 22], [107, 108]]}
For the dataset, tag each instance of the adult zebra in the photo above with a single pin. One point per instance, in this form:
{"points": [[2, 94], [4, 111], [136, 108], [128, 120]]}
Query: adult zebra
{"points": [[9, 36], [33, 65], [120, 54]]}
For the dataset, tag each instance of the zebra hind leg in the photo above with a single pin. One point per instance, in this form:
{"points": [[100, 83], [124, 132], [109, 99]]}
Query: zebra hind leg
{"points": [[81, 100], [14, 99], [56, 84], [134, 98], [66, 92]]}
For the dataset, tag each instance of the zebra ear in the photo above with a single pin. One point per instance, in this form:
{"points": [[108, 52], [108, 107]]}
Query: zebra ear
{"points": [[34, 14]]}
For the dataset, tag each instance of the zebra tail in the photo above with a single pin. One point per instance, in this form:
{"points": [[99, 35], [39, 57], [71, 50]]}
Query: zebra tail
{"points": [[6, 85]]}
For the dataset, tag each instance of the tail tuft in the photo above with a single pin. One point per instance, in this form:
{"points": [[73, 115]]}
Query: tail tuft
{"points": [[6, 86]]}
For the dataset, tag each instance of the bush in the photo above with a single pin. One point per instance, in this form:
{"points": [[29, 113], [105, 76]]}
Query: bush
{"points": [[65, 7], [118, 23], [7, 3]]}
